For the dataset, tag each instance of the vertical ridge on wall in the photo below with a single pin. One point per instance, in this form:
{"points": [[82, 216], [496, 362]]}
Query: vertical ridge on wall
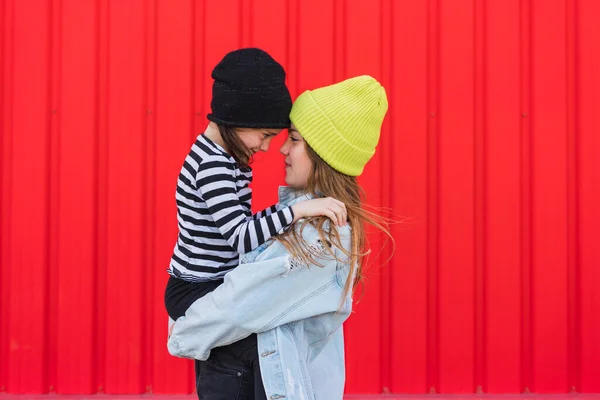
{"points": [[408, 186], [385, 145], [526, 196], [6, 104], [198, 72], [247, 22], [588, 212], [362, 56], [502, 178], [75, 215], [172, 25], [312, 44], [163, 363], [101, 143], [292, 15], [433, 79], [55, 68], [3, 247], [480, 205], [28, 220], [456, 195], [101, 175], [175, 98], [573, 305], [549, 197], [125, 270], [151, 294]]}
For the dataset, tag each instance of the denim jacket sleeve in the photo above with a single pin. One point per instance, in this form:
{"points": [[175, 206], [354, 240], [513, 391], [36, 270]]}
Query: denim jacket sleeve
{"points": [[274, 290]]}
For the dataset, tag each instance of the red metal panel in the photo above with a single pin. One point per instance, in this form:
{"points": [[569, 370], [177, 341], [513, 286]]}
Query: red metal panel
{"points": [[28, 188], [126, 240], [76, 267], [367, 369], [456, 193], [502, 194], [55, 92], [525, 200], [432, 160], [489, 154], [407, 95], [587, 127], [173, 112], [6, 101], [100, 345], [308, 41], [548, 194]]}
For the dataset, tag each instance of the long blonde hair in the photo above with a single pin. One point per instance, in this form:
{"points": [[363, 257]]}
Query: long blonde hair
{"points": [[324, 181]]}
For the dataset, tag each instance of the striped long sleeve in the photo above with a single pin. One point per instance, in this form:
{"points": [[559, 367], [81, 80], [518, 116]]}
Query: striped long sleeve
{"points": [[214, 202], [218, 188]]}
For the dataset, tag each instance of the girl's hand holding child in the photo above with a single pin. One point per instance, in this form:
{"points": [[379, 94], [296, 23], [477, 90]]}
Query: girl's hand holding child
{"points": [[328, 206]]}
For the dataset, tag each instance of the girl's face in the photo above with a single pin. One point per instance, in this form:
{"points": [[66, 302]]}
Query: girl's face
{"points": [[257, 139], [298, 165]]}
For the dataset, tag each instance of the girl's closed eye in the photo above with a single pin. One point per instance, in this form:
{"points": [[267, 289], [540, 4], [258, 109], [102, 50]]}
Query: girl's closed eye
{"points": [[293, 135]]}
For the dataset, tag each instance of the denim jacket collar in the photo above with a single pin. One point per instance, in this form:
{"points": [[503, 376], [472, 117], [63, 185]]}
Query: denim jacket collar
{"points": [[289, 196]]}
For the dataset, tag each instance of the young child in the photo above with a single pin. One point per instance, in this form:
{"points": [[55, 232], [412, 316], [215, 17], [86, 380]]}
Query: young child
{"points": [[250, 105]]}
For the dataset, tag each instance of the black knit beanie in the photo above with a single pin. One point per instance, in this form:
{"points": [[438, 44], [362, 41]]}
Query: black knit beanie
{"points": [[249, 91]]}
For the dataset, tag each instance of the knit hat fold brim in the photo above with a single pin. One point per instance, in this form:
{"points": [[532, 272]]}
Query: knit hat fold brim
{"points": [[281, 124]]}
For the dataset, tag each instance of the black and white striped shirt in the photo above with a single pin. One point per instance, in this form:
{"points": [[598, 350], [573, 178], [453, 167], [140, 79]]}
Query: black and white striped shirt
{"points": [[214, 215]]}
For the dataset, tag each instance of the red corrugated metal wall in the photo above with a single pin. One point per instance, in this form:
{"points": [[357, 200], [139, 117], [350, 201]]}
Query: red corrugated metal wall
{"points": [[490, 153]]}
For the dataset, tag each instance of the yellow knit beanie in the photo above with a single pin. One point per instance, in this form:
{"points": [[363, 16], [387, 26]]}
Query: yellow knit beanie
{"points": [[342, 122]]}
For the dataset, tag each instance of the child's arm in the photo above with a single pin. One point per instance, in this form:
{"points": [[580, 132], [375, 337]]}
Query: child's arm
{"points": [[218, 188], [265, 212]]}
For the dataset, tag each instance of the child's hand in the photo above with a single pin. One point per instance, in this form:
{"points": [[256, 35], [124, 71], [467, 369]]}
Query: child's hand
{"points": [[328, 207]]}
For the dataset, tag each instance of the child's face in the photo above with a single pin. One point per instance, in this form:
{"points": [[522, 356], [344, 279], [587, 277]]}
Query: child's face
{"points": [[257, 139], [298, 165]]}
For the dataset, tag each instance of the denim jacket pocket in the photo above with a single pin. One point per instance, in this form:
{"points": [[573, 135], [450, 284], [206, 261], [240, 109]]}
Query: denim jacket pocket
{"points": [[315, 348]]}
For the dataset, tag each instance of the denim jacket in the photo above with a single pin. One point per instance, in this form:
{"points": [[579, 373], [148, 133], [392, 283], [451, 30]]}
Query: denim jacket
{"points": [[295, 306]]}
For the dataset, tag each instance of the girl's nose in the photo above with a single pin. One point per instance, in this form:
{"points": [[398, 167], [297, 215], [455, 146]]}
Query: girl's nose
{"points": [[284, 148]]}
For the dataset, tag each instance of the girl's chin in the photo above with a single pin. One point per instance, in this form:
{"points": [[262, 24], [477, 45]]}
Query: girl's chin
{"points": [[288, 181], [295, 186]]}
